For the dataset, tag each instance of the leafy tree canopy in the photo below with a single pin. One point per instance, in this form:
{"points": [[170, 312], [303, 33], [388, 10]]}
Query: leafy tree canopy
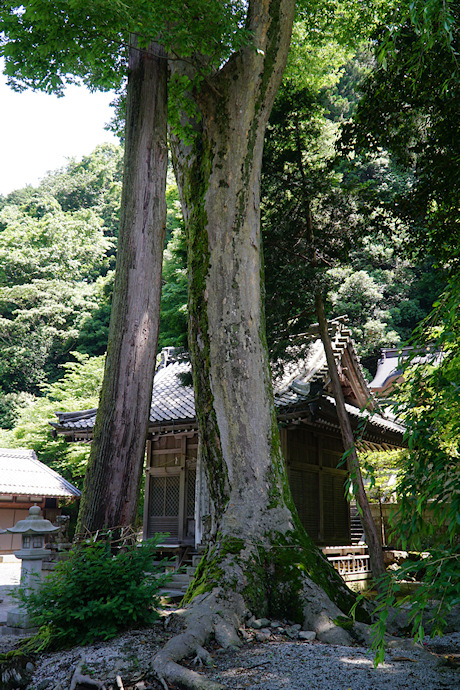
{"points": [[427, 492], [49, 45], [410, 107], [330, 223], [56, 260], [77, 389]]}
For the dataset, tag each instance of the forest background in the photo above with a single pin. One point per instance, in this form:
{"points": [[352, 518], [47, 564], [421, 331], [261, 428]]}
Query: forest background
{"points": [[380, 191], [58, 246]]}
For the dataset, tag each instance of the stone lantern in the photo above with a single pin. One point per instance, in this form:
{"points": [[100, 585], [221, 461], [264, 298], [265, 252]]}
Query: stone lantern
{"points": [[33, 530]]}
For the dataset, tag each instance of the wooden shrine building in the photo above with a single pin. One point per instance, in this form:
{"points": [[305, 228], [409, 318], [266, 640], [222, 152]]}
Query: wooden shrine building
{"points": [[176, 497]]}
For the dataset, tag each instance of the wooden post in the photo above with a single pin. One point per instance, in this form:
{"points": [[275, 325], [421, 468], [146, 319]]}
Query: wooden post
{"points": [[372, 539]]}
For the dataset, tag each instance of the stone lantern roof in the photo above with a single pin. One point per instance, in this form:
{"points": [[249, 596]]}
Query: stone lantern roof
{"points": [[34, 524]]}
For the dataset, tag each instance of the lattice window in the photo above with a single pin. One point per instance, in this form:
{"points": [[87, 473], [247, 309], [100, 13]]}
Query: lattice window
{"points": [[157, 496], [164, 496], [172, 489]]}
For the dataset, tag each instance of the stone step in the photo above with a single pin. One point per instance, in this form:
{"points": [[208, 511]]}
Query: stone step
{"points": [[182, 578], [170, 593]]}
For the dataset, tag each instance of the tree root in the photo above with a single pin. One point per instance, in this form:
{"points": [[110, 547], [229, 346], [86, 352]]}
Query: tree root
{"points": [[211, 614], [320, 613], [220, 613]]}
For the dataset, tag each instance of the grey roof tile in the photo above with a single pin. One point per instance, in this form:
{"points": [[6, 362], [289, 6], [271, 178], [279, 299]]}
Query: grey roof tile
{"points": [[302, 380], [22, 473]]}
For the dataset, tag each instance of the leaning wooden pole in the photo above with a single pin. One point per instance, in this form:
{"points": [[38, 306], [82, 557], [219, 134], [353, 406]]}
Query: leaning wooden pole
{"points": [[372, 539]]}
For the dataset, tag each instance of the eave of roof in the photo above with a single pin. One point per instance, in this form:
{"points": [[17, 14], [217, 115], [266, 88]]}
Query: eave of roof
{"points": [[173, 403], [21, 473]]}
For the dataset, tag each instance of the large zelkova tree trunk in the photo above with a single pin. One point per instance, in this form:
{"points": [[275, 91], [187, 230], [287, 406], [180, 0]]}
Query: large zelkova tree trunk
{"points": [[259, 559], [112, 483], [370, 529]]}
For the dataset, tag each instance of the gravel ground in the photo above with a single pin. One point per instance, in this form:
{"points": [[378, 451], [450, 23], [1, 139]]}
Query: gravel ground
{"points": [[281, 665], [277, 664]]}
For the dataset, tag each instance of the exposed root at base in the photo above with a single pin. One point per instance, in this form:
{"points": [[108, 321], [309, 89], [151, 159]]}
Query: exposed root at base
{"points": [[219, 614], [209, 615]]}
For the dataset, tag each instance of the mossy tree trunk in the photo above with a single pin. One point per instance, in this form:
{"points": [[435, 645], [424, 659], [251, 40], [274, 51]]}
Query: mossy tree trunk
{"points": [[111, 493], [259, 557]]}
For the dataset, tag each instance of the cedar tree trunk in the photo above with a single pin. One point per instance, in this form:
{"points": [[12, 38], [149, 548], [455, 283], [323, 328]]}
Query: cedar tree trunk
{"points": [[259, 559], [115, 467]]}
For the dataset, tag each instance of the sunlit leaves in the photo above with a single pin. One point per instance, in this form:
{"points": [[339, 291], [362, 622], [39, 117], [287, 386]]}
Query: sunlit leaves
{"points": [[428, 491], [47, 45], [411, 109], [56, 247], [77, 389]]}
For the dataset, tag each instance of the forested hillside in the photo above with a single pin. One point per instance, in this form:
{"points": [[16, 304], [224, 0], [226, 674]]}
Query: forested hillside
{"points": [[57, 257], [332, 222]]}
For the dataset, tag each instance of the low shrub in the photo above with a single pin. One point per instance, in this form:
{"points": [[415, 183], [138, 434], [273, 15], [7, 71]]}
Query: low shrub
{"points": [[95, 594]]}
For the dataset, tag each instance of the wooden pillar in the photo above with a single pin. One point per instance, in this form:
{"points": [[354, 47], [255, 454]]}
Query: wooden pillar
{"points": [[182, 495], [148, 464]]}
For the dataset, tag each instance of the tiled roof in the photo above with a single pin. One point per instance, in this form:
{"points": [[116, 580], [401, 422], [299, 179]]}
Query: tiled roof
{"points": [[373, 419], [303, 380], [295, 384], [172, 400], [22, 473], [82, 420], [310, 373], [391, 364]]}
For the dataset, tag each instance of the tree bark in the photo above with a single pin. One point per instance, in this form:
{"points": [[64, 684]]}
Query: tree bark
{"points": [[370, 529], [259, 559], [115, 467]]}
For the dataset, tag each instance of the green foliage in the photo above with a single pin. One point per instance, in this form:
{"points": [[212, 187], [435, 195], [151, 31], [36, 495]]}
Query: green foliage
{"points": [[40, 241], [48, 45], [10, 404], [39, 325], [57, 250], [429, 406], [428, 490], [56, 281], [430, 603], [77, 389], [381, 470], [94, 594], [330, 224], [94, 326], [410, 108], [434, 25], [173, 310], [94, 182]]}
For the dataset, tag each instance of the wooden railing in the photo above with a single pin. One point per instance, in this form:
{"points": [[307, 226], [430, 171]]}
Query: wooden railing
{"points": [[351, 562]]}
